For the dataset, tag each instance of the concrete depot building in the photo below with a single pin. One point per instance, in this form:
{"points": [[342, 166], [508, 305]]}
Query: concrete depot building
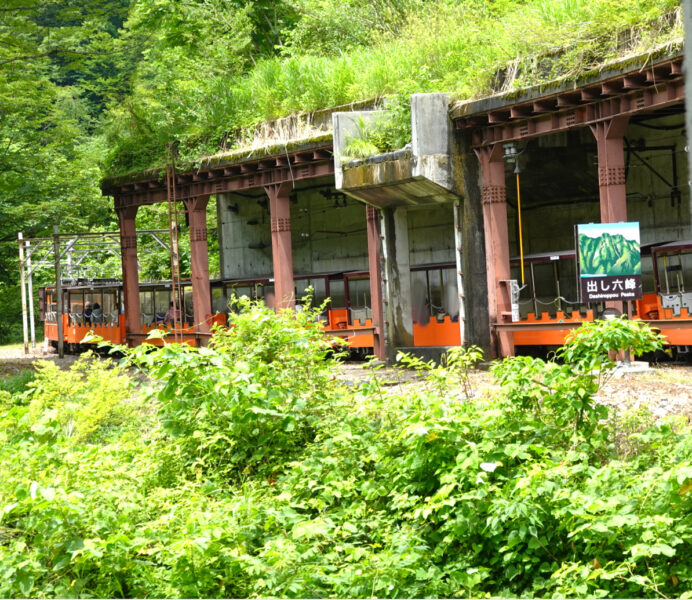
{"points": [[419, 248]]}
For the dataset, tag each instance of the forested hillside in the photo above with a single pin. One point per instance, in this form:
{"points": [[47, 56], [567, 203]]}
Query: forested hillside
{"points": [[92, 88]]}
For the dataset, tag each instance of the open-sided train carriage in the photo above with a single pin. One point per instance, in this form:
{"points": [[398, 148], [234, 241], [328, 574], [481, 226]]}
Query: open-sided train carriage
{"points": [[348, 314], [549, 303]]}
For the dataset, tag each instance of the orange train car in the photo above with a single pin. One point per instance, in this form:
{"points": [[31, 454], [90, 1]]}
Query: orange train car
{"points": [[348, 314], [550, 307]]}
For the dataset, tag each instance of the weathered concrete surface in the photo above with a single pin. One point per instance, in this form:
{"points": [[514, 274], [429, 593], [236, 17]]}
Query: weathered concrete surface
{"points": [[477, 324], [244, 236], [345, 126], [397, 274], [430, 138], [419, 175]]}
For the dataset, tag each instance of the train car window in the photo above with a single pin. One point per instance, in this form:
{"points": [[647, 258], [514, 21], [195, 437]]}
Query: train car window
{"points": [[359, 298], [267, 294], [187, 304], [420, 297], [76, 303], [686, 265], [162, 300], [219, 302], [238, 291], [648, 283], [337, 293], [546, 286], [359, 292], [146, 306], [50, 311], [259, 291], [436, 291], [318, 287], [450, 294], [674, 272], [110, 307], [568, 299]]}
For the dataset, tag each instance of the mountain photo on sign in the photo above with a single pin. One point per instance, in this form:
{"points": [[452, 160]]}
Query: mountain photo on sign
{"points": [[609, 249]]}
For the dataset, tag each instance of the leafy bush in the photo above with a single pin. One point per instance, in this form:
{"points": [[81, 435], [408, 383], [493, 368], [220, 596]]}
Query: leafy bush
{"points": [[18, 382], [369, 493], [254, 395]]}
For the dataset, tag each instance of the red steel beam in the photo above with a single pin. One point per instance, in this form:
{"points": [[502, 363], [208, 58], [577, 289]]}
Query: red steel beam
{"points": [[232, 178], [128, 246], [494, 198], [375, 267], [575, 109], [282, 251]]}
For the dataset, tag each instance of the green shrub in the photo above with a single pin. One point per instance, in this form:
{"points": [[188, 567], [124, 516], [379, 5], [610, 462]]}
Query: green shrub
{"points": [[255, 394], [15, 384], [279, 482]]}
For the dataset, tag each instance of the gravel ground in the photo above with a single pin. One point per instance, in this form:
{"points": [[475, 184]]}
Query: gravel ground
{"points": [[13, 359], [664, 389]]}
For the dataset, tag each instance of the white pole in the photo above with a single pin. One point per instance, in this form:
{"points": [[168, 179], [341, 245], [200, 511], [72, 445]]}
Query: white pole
{"points": [[460, 276], [22, 283], [58, 290], [30, 290]]}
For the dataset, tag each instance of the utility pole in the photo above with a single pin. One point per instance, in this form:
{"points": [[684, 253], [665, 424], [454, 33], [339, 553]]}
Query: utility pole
{"points": [[30, 290], [22, 283], [58, 291]]}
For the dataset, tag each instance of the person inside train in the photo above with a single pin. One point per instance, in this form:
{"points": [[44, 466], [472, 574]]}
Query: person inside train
{"points": [[96, 313], [88, 312], [172, 314]]}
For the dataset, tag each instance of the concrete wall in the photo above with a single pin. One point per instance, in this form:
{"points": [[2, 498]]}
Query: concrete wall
{"points": [[431, 234], [242, 222], [327, 234], [559, 186]]}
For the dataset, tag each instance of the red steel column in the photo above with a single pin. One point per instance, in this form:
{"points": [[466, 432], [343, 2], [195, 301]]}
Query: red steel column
{"points": [[611, 177], [128, 247], [611, 168], [199, 262], [372, 216], [494, 198], [282, 252]]}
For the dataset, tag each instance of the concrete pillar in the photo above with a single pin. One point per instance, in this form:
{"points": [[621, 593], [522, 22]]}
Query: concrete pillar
{"points": [[398, 309], [199, 261], [282, 252], [128, 246], [611, 168], [494, 198], [222, 202], [466, 177], [372, 216]]}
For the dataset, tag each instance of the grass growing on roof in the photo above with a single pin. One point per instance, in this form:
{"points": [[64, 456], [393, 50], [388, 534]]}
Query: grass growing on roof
{"points": [[457, 47]]}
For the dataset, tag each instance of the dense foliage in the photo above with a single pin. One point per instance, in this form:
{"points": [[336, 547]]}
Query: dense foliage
{"points": [[247, 469], [389, 47]]}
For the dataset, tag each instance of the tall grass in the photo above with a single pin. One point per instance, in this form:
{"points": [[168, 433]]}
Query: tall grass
{"points": [[453, 47], [450, 46]]}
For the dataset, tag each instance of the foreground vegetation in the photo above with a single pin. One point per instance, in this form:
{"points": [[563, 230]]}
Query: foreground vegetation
{"points": [[247, 469]]}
